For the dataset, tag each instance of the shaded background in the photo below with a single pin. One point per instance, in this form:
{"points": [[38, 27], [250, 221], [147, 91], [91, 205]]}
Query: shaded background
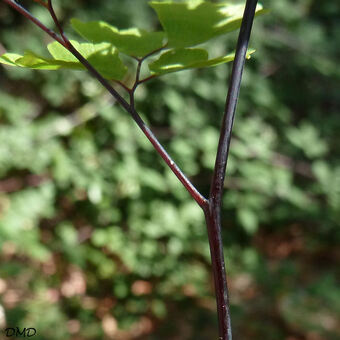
{"points": [[99, 240]]}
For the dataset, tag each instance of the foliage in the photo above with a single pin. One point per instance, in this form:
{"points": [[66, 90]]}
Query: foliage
{"points": [[107, 41], [103, 57], [91, 246]]}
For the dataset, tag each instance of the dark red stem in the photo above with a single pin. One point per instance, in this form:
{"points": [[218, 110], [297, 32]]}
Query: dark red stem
{"points": [[213, 212], [29, 16]]}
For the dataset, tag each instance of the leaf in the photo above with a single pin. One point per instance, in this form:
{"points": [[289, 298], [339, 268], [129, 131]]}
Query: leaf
{"points": [[187, 58], [177, 60], [133, 42], [32, 60], [195, 22], [9, 58], [102, 56], [59, 52]]}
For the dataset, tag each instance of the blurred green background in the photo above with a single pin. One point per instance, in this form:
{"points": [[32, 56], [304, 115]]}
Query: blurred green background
{"points": [[99, 240]]}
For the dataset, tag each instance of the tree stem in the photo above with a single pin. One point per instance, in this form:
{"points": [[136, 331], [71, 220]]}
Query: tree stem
{"points": [[213, 213], [213, 221]]}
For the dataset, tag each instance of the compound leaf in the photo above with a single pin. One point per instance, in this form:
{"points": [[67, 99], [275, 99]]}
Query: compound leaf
{"points": [[194, 22], [133, 42]]}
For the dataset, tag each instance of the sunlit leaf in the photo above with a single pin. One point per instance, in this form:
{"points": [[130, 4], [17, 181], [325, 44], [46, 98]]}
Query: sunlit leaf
{"points": [[187, 58], [194, 22], [9, 58], [102, 56], [34, 61], [133, 41], [59, 52]]}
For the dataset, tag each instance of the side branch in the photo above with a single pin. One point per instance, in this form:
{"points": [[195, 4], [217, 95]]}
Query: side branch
{"points": [[37, 22], [198, 197]]}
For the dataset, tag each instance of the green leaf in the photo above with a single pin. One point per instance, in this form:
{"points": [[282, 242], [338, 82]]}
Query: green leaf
{"points": [[59, 52], [133, 41], [194, 22], [187, 58], [9, 58], [102, 56], [32, 60]]}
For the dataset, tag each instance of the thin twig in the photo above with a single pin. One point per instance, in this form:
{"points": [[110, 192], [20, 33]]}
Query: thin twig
{"points": [[126, 88], [135, 85], [147, 79], [41, 2], [56, 21], [37, 22], [138, 72], [153, 52]]}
